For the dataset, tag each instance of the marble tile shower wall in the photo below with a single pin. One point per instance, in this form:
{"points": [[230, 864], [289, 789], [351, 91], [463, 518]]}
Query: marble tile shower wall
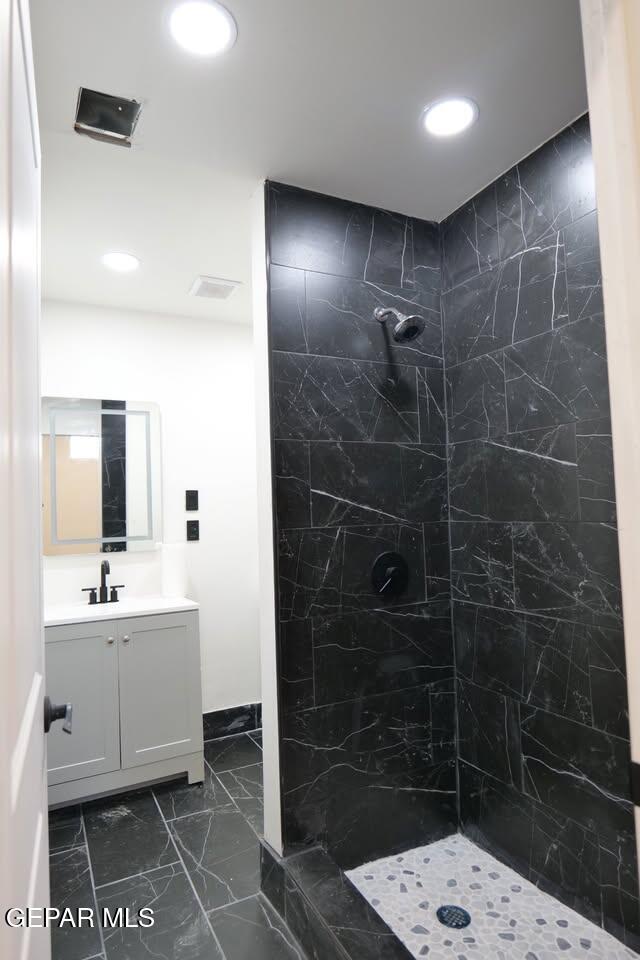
{"points": [[542, 709], [368, 753]]}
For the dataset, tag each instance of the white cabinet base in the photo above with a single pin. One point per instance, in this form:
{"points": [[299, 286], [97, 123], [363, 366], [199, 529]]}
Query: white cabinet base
{"points": [[88, 788]]}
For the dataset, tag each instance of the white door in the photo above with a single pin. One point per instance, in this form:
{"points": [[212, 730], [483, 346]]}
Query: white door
{"points": [[611, 33], [23, 824]]}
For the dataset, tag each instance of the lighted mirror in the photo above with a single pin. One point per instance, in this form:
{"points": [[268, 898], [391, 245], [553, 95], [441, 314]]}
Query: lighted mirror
{"points": [[100, 476]]}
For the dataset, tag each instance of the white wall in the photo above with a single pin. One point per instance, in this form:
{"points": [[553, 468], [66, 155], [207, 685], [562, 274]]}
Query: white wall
{"points": [[201, 375]]}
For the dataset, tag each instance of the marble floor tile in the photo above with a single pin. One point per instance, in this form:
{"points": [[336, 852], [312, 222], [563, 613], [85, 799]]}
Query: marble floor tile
{"points": [[245, 787], [126, 835], [253, 812], [183, 849], [65, 828], [511, 919], [180, 930], [221, 853], [179, 798], [252, 930], [70, 879], [232, 752]]}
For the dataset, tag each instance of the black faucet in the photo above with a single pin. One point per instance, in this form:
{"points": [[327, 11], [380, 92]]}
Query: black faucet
{"points": [[104, 570], [107, 594]]}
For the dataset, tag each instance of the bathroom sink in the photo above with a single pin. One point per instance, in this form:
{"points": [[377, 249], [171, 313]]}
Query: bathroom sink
{"points": [[61, 613]]}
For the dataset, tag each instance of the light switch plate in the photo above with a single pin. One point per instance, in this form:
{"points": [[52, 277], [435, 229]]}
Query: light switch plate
{"points": [[193, 529]]}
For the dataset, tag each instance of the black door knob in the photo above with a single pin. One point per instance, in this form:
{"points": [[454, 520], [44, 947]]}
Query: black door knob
{"points": [[57, 711]]}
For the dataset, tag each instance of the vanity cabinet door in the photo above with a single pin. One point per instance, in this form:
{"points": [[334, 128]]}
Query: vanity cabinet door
{"points": [[160, 695], [81, 662]]}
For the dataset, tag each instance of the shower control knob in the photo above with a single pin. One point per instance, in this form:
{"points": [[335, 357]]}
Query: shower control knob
{"points": [[390, 575]]}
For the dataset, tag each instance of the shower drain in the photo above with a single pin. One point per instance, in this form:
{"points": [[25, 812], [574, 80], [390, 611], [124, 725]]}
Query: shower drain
{"points": [[454, 917]]}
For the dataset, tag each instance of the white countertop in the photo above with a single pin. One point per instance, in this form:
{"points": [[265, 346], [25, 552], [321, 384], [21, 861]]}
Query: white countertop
{"points": [[63, 613]]}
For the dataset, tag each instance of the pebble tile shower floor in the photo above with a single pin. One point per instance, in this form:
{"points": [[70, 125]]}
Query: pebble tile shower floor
{"points": [[510, 918], [190, 852]]}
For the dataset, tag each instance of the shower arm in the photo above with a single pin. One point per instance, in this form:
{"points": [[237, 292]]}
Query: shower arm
{"points": [[383, 313]]}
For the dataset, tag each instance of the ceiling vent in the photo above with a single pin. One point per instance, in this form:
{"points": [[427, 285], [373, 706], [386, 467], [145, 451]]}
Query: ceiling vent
{"points": [[213, 288], [106, 118]]}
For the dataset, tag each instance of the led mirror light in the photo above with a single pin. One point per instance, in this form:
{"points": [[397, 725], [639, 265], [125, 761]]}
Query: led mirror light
{"points": [[121, 262], [444, 118], [84, 448], [203, 27]]}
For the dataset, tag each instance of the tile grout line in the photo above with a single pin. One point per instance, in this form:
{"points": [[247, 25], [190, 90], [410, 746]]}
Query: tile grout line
{"points": [[419, 360], [524, 702], [93, 881], [184, 816], [195, 813], [448, 447], [230, 736], [136, 876], [501, 260], [377, 694], [245, 766], [598, 315], [73, 846], [233, 903], [188, 876], [267, 907], [553, 811]]}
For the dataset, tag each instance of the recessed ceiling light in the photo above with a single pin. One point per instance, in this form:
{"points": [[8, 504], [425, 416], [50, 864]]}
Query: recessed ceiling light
{"points": [[444, 118], [122, 262], [203, 27]]}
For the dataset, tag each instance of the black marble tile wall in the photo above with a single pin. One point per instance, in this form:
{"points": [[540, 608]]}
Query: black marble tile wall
{"points": [[482, 452], [360, 468], [232, 720], [540, 669]]}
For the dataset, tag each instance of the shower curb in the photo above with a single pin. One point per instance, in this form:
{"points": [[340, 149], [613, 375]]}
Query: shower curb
{"points": [[325, 912]]}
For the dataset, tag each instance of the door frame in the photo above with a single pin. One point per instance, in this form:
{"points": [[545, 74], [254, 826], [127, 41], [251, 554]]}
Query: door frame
{"points": [[611, 37], [24, 875]]}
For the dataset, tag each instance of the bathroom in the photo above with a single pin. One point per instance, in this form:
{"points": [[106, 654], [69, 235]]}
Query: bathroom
{"points": [[327, 607]]}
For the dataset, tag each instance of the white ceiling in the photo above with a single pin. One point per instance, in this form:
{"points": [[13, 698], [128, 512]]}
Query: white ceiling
{"points": [[326, 94]]}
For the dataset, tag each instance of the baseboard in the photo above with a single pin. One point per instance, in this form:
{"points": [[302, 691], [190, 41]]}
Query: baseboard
{"points": [[224, 723]]}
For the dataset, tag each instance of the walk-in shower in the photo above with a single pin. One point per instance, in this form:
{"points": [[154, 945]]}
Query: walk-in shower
{"points": [[456, 749]]}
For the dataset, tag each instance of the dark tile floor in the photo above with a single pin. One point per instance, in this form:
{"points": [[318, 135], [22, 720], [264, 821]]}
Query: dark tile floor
{"points": [[191, 853]]}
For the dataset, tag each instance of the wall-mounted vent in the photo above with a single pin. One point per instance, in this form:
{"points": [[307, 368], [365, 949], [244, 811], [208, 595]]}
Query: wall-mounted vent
{"points": [[105, 117], [213, 288]]}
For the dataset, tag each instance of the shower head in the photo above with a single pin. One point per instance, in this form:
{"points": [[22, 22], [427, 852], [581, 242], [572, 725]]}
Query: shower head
{"points": [[407, 326]]}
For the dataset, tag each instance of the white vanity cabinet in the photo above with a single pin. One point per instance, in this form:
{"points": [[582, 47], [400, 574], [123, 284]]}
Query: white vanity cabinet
{"points": [[134, 683]]}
